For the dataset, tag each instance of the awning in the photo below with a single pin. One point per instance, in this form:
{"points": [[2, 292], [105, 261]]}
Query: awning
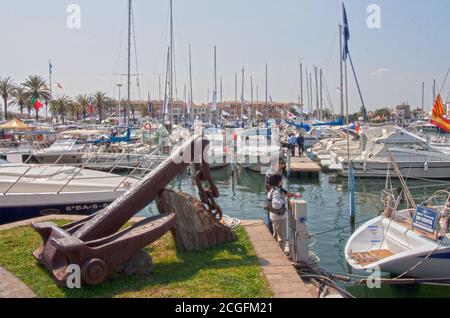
{"points": [[15, 124]]}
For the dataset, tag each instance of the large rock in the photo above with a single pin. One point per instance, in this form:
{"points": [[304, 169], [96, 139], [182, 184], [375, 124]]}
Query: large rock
{"points": [[196, 228]]}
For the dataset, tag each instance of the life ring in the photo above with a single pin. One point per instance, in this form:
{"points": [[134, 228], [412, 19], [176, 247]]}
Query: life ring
{"points": [[148, 127], [40, 138]]}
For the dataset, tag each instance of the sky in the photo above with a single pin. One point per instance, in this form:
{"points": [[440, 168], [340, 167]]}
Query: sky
{"points": [[391, 62]]}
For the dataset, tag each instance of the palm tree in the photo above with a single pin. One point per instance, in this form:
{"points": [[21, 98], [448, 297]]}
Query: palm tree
{"points": [[6, 90], [60, 106], [36, 88], [20, 97], [100, 101], [82, 104]]}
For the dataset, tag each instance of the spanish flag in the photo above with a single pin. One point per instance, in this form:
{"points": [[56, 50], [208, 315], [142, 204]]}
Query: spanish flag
{"points": [[437, 115]]}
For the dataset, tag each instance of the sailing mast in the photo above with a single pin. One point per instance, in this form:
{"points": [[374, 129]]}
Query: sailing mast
{"points": [[127, 115], [172, 64], [267, 94], [317, 93], [191, 98], [166, 82], [341, 63], [242, 94], [301, 87], [214, 102], [251, 106], [321, 94]]}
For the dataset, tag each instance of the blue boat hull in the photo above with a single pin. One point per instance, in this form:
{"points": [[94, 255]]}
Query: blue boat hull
{"points": [[15, 214]]}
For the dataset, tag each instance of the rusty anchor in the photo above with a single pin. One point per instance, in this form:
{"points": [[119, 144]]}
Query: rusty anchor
{"points": [[97, 245]]}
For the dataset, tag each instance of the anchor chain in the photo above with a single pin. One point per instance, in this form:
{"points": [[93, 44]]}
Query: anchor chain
{"points": [[208, 196]]}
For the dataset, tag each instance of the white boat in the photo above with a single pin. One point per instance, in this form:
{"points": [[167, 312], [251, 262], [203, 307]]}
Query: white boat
{"points": [[28, 191], [63, 151], [407, 243], [416, 157], [218, 152], [257, 148]]}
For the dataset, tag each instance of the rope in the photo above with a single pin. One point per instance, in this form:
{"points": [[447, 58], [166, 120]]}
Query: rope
{"points": [[339, 228]]}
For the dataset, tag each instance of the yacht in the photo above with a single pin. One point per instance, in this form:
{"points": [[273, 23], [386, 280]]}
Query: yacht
{"points": [[416, 157], [28, 190]]}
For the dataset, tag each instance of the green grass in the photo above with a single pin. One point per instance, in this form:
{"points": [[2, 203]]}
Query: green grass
{"points": [[227, 271]]}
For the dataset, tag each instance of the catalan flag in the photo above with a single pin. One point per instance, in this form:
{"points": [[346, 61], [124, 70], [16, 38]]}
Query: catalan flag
{"points": [[437, 115]]}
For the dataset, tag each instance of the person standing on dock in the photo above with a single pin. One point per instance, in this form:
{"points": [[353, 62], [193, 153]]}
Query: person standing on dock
{"points": [[276, 168], [277, 207], [301, 144], [292, 143]]}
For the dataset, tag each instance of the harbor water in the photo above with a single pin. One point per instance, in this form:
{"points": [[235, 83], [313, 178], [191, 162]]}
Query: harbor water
{"points": [[242, 196]]}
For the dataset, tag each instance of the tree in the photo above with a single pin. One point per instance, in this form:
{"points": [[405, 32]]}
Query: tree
{"points": [[60, 106], [81, 102], [100, 101], [20, 97], [36, 89], [7, 88]]}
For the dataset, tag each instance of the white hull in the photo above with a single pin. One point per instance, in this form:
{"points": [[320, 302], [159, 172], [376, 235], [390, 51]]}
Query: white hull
{"points": [[400, 249]]}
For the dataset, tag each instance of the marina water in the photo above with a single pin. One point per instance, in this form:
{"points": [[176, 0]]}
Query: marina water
{"points": [[242, 196]]}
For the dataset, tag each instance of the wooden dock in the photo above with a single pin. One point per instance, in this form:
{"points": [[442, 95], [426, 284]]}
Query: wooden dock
{"points": [[303, 167], [279, 272]]}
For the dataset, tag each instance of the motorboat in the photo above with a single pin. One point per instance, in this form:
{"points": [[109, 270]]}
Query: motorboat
{"points": [[64, 151], [30, 190], [416, 157]]}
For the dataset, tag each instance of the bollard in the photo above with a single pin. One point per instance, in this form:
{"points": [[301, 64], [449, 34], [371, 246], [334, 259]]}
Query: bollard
{"points": [[289, 169], [298, 231]]}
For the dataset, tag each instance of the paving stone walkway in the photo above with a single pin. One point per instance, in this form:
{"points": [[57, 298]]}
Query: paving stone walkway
{"points": [[12, 287], [281, 275]]}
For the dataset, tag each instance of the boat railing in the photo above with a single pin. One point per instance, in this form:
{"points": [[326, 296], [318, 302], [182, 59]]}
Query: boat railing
{"points": [[137, 172]]}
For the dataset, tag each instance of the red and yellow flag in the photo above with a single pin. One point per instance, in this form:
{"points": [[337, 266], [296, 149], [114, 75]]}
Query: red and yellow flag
{"points": [[437, 115]]}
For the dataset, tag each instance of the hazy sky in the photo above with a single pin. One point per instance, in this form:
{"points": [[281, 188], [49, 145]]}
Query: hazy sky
{"points": [[410, 47]]}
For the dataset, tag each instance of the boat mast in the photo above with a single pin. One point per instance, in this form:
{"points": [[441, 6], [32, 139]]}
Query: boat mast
{"points": [[251, 93], [317, 93], [191, 98], [341, 63], [215, 87], [423, 98], [127, 115], [301, 86], [267, 94], [166, 98], [242, 94], [170, 106], [321, 94]]}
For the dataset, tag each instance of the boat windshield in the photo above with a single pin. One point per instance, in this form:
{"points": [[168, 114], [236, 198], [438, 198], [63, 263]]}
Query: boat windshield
{"points": [[3, 162]]}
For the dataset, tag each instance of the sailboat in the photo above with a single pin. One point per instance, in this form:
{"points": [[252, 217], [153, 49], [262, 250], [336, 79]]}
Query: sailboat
{"points": [[412, 242]]}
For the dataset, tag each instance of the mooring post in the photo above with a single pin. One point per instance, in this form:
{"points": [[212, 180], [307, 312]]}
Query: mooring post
{"points": [[351, 185], [289, 168], [298, 231]]}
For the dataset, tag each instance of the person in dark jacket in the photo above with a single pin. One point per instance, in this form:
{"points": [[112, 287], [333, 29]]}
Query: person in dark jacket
{"points": [[301, 144]]}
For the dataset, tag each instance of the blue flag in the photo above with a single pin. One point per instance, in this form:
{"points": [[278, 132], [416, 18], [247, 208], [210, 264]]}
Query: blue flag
{"points": [[346, 33]]}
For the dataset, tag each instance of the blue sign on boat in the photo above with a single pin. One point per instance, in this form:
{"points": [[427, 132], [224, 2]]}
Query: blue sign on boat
{"points": [[425, 219]]}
